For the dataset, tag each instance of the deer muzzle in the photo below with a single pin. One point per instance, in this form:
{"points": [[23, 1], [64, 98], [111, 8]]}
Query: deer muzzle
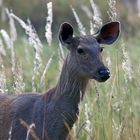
{"points": [[103, 74]]}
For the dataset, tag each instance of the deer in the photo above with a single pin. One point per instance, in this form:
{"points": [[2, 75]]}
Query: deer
{"points": [[55, 111]]}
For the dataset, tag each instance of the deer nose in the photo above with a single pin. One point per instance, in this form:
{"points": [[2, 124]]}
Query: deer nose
{"points": [[104, 73]]}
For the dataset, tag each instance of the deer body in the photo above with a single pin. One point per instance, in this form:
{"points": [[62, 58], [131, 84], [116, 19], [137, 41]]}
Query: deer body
{"points": [[55, 112]]}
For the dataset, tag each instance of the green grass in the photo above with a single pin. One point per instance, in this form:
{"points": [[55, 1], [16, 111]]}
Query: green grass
{"points": [[113, 107]]}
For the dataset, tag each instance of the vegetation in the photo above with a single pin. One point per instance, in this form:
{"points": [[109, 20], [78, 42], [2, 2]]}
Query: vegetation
{"points": [[109, 111], [36, 11]]}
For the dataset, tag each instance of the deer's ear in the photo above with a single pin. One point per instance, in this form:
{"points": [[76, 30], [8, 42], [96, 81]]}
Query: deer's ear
{"points": [[109, 33], [65, 33]]}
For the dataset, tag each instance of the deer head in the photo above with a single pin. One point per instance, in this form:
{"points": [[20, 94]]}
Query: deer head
{"points": [[86, 51]]}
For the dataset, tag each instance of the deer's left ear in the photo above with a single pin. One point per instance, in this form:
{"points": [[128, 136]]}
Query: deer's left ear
{"points": [[109, 33]]}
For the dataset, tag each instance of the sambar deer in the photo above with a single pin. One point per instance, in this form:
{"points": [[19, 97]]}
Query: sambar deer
{"points": [[55, 111]]}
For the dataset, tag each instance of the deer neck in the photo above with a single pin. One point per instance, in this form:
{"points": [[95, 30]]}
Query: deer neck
{"points": [[70, 84]]}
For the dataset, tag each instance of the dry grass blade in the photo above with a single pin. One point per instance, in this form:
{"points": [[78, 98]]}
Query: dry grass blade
{"points": [[71, 135], [97, 19], [29, 129], [13, 32], [2, 49], [81, 28], [49, 20], [112, 12], [42, 80], [31, 32], [126, 64], [6, 38]]}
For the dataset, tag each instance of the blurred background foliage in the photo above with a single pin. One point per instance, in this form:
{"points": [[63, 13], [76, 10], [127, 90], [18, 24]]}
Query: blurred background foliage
{"points": [[36, 11]]}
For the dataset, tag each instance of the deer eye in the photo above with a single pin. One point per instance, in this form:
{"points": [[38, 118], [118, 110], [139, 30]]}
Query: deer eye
{"points": [[80, 51], [101, 49]]}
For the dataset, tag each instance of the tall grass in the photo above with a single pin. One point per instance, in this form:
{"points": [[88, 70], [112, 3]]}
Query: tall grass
{"points": [[49, 20], [110, 110]]}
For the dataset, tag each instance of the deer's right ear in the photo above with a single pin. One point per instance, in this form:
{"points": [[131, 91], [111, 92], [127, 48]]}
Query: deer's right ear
{"points": [[65, 33]]}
